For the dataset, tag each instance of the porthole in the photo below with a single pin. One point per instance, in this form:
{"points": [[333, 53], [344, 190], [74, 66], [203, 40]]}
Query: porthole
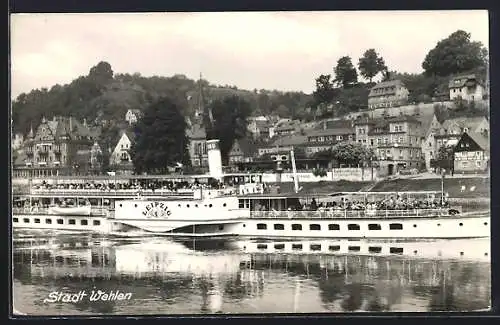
{"points": [[460, 224], [196, 205], [461, 253], [210, 205], [221, 227], [485, 223], [485, 254], [187, 205], [244, 225], [439, 225], [224, 205], [414, 226], [179, 205], [415, 252], [135, 205], [121, 205]]}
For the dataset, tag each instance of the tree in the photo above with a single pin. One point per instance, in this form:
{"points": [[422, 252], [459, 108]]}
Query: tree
{"points": [[345, 72], [455, 54], [324, 92], [371, 64], [353, 154], [445, 158], [161, 139], [230, 122]]}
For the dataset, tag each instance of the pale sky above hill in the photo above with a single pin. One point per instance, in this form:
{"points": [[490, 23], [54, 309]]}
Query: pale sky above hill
{"points": [[273, 50]]}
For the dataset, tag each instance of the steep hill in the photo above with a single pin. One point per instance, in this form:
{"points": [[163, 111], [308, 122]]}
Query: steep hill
{"points": [[103, 95]]}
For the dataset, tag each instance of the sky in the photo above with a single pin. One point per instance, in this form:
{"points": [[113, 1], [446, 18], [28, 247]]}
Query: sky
{"points": [[264, 50]]}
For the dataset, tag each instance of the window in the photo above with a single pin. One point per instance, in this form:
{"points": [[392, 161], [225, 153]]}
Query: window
{"points": [[354, 248], [37, 220], [84, 222], [15, 220], [296, 246], [334, 248], [353, 226], [396, 226], [241, 204], [374, 249], [315, 247], [261, 226], [374, 226], [296, 226], [26, 220], [464, 164], [314, 227], [60, 221], [279, 226], [72, 221], [371, 142], [96, 223], [333, 226], [48, 221], [396, 250]]}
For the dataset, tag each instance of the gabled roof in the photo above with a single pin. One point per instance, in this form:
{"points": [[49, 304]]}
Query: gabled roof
{"points": [[464, 122], [460, 81], [135, 111], [327, 132], [386, 87], [426, 121], [481, 140], [247, 146]]}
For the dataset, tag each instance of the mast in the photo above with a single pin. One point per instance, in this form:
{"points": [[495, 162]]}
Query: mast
{"points": [[294, 169]]}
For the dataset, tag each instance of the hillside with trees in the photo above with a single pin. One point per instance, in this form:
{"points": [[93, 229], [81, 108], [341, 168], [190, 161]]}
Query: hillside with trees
{"points": [[102, 96], [340, 93]]}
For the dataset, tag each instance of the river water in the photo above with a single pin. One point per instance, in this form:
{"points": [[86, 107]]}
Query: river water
{"points": [[83, 274]]}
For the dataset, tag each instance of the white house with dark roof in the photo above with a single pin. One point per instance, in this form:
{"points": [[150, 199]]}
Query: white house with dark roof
{"points": [[120, 157], [388, 94], [467, 87], [132, 116]]}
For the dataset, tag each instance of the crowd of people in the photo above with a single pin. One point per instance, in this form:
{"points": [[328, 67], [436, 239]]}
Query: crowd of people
{"points": [[171, 186], [391, 203]]}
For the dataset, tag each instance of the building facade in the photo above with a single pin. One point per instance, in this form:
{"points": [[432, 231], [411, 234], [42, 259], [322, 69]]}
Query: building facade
{"points": [[388, 94], [395, 140], [120, 159], [430, 129], [466, 87], [60, 146], [472, 153]]}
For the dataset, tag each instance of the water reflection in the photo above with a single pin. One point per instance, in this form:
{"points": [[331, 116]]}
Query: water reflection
{"points": [[171, 277]]}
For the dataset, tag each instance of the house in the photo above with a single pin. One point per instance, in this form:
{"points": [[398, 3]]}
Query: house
{"points": [[395, 140], [259, 127], [132, 116], [472, 153], [56, 147], [284, 127], [430, 128], [243, 150], [466, 87], [120, 159], [460, 125], [388, 94]]}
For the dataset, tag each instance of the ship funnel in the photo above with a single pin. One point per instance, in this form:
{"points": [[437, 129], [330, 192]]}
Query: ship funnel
{"points": [[214, 159]]}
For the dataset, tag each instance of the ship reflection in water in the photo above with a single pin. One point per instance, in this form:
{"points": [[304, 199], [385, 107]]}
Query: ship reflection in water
{"points": [[200, 277]]}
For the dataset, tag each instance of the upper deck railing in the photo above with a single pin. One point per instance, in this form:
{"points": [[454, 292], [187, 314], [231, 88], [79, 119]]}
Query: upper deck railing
{"points": [[112, 192], [351, 214]]}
